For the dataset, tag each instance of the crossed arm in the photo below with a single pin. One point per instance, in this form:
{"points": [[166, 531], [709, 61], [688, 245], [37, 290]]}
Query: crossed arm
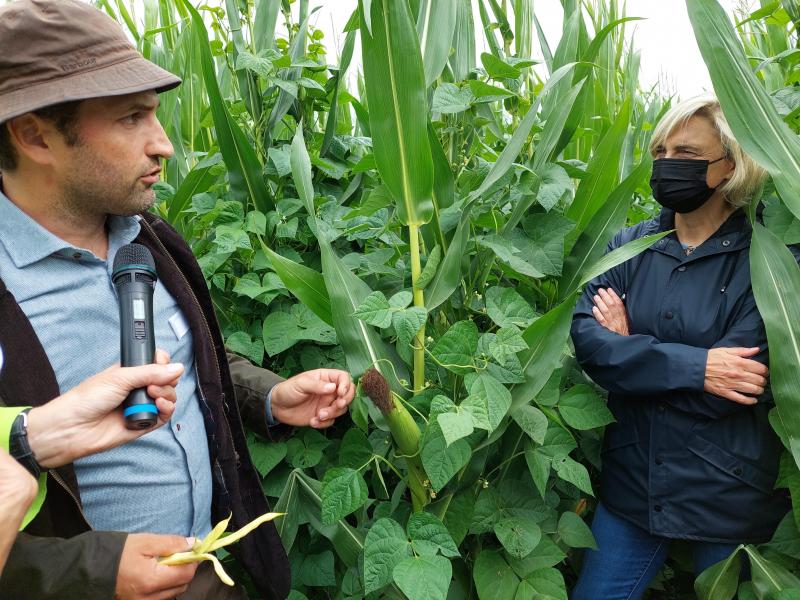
{"points": [[730, 373]]}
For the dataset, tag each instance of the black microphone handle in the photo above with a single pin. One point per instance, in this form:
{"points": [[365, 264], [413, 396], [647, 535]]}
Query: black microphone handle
{"points": [[137, 347]]}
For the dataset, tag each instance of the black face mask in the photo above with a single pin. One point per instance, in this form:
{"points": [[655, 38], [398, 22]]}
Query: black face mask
{"points": [[680, 183]]}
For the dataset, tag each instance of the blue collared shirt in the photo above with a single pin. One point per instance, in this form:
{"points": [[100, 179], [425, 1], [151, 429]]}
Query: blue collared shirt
{"points": [[161, 483]]}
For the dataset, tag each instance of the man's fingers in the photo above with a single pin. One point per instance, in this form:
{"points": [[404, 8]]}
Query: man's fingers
{"points": [[330, 412], [311, 385], [160, 375], [317, 424], [162, 391], [165, 408], [162, 357], [164, 545]]}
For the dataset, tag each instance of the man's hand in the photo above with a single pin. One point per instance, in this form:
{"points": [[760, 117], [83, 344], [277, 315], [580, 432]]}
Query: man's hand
{"points": [[86, 419], [609, 310], [732, 375], [313, 398], [140, 577], [17, 491]]}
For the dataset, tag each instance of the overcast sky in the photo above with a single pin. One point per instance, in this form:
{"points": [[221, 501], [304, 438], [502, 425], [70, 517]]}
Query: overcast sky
{"points": [[665, 38]]}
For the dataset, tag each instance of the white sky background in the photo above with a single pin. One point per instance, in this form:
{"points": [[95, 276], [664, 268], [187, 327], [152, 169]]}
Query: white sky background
{"points": [[665, 38], [668, 49]]}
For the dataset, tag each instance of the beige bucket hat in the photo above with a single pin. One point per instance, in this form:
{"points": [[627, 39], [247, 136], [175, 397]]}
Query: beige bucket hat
{"points": [[54, 51]]}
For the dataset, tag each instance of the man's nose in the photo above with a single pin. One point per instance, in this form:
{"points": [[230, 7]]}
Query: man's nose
{"points": [[159, 144]]}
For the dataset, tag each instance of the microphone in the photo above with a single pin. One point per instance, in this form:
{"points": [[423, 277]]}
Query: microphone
{"points": [[134, 277]]}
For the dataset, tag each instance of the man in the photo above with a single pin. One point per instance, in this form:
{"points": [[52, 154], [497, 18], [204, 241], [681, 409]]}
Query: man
{"points": [[80, 148]]}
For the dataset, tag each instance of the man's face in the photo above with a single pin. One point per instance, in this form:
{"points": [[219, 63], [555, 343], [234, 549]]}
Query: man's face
{"points": [[116, 160]]}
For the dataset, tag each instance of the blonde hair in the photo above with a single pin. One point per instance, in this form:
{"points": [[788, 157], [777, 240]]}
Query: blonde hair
{"points": [[747, 176]]}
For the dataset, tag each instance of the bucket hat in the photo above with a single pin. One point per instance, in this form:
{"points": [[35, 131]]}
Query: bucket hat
{"points": [[54, 51]]}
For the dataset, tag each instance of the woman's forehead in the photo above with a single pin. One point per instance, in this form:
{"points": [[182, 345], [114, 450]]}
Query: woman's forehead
{"points": [[695, 131]]}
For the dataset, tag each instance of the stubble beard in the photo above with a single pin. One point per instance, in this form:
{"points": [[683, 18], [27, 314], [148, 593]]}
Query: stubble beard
{"points": [[101, 189]]}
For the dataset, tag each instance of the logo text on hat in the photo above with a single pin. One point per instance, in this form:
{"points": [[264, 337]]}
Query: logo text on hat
{"points": [[78, 65]]}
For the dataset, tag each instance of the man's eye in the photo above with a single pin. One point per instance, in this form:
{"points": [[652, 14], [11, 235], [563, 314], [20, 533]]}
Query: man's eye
{"points": [[132, 118]]}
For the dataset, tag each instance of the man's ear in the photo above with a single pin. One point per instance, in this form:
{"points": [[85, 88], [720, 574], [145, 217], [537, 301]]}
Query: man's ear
{"points": [[32, 138]]}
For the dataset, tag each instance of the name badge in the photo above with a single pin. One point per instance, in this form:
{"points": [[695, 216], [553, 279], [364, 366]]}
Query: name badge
{"points": [[179, 325]]}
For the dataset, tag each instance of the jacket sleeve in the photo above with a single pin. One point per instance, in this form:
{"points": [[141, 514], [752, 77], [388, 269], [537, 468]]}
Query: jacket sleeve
{"points": [[84, 566], [252, 384], [634, 364], [747, 332]]}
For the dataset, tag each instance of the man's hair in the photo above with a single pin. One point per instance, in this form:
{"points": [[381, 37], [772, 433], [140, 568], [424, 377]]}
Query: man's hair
{"points": [[64, 116], [748, 174]]}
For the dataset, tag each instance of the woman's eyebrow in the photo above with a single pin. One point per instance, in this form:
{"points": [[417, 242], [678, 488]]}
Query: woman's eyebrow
{"points": [[687, 147]]}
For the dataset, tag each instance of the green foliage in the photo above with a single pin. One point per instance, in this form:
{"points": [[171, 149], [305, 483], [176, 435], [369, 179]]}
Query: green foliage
{"points": [[436, 221]]}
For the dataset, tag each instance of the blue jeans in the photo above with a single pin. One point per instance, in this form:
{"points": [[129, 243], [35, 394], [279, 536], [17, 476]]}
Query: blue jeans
{"points": [[628, 558]]}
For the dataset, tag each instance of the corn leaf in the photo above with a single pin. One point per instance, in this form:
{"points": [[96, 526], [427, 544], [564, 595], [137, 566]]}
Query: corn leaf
{"points": [[776, 286], [462, 61], [305, 283], [244, 169], [264, 27], [721, 580], [436, 24], [747, 107], [362, 345], [608, 221], [546, 342], [602, 173], [395, 85]]}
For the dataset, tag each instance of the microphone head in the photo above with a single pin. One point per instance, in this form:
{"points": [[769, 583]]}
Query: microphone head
{"points": [[134, 257]]}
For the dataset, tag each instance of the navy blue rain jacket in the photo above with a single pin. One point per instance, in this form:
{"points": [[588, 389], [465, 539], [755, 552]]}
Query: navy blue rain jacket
{"points": [[680, 462]]}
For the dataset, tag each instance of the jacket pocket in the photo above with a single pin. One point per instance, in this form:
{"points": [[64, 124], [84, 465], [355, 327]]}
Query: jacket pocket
{"points": [[618, 435], [732, 465]]}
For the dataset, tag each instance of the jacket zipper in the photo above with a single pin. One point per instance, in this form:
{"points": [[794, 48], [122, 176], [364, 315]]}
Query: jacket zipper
{"points": [[57, 477], [205, 325], [191, 293]]}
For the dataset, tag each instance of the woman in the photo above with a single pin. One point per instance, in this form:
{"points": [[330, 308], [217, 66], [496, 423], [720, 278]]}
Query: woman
{"points": [[675, 337], [83, 421]]}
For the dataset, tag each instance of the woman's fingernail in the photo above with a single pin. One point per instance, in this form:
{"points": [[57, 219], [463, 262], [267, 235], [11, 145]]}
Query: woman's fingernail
{"points": [[329, 387], [175, 367], [323, 414], [190, 541]]}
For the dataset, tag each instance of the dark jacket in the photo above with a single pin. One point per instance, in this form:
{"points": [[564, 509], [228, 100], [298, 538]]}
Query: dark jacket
{"points": [[680, 462], [58, 556]]}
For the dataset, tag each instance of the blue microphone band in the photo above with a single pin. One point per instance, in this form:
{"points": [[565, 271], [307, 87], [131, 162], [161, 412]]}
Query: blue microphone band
{"points": [[140, 408]]}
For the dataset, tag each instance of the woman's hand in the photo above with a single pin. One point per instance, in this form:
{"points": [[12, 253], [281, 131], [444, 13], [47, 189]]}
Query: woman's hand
{"points": [[609, 310], [731, 374], [87, 418]]}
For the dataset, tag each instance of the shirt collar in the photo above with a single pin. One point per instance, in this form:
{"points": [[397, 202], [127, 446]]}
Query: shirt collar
{"points": [[27, 242]]}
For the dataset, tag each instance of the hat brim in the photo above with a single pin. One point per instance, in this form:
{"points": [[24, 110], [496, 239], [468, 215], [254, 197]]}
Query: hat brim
{"points": [[130, 76]]}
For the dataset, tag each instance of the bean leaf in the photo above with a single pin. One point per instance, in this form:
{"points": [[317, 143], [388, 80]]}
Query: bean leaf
{"points": [[343, 491]]}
